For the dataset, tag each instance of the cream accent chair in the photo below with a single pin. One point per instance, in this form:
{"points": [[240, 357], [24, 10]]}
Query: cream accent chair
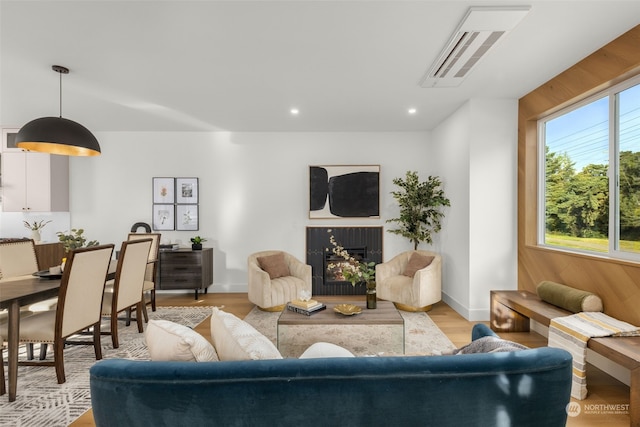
{"points": [[272, 294], [78, 308], [127, 287], [410, 294], [150, 275]]}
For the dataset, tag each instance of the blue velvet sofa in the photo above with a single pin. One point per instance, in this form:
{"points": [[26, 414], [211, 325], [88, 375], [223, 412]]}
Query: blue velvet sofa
{"points": [[522, 388]]}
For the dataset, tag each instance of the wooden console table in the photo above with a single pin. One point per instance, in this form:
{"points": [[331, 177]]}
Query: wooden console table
{"points": [[186, 269], [49, 254]]}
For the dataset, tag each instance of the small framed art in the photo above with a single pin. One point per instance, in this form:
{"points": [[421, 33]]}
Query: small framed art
{"points": [[186, 217], [187, 190], [164, 190], [164, 217]]}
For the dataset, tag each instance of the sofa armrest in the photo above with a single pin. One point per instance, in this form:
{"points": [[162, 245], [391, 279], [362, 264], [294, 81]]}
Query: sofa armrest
{"points": [[394, 267], [300, 270], [259, 283], [427, 283]]}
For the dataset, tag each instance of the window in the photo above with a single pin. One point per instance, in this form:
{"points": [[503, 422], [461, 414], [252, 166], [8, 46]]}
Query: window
{"points": [[590, 174]]}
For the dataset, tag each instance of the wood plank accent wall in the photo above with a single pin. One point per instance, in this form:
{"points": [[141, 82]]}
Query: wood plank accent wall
{"points": [[616, 282]]}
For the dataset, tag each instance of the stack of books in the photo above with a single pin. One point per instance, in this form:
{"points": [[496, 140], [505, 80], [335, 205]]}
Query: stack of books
{"points": [[306, 307], [169, 247]]}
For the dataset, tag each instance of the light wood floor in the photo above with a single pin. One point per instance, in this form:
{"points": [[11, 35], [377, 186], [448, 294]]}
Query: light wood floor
{"points": [[603, 389]]}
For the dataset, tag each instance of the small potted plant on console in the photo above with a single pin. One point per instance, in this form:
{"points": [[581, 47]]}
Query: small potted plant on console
{"points": [[196, 243]]}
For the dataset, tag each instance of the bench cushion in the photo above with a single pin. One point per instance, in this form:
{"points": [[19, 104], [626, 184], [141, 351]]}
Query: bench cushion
{"points": [[571, 299]]}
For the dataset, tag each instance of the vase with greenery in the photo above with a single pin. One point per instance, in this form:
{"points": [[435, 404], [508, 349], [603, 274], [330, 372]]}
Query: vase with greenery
{"points": [[196, 243], [421, 208], [355, 270], [35, 228], [74, 240]]}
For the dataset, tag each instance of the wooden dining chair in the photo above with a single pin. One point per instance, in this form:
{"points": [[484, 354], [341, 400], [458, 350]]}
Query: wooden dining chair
{"points": [[78, 309], [18, 260], [127, 286], [3, 386], [150, 276]]}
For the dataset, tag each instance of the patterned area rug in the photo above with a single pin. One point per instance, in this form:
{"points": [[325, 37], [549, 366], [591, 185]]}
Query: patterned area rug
{"points": [[422, 336], [41, 401]]}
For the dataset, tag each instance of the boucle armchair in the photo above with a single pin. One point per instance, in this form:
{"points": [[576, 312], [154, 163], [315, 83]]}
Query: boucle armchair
{"points": [[275, 278], [412, 280]]}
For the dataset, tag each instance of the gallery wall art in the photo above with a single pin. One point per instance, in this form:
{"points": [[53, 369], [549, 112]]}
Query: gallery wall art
{"points": [[175, 204]]}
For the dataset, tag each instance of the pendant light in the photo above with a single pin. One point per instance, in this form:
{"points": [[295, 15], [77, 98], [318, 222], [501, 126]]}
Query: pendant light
{"points": [[57, 135]]}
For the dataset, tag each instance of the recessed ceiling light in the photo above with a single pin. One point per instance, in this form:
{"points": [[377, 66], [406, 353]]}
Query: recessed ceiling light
{"points": [[294, 111], [412, 111]]}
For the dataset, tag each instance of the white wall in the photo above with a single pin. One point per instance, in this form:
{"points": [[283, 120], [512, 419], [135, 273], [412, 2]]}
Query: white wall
{"points": [[451, 162], [493, 200], [253, 187], [12, 224], [476, 155]]}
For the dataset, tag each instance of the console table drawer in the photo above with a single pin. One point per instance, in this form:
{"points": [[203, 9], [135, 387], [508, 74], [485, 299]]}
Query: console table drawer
{"points": [[169, 260], [186, 269]]}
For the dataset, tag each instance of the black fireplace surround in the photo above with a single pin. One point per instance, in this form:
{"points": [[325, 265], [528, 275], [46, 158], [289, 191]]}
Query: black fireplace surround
{"points": [[360, 242]]}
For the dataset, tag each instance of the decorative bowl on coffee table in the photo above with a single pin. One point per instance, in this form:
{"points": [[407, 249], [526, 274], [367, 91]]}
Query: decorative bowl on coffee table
{"points": [[348, 309]]}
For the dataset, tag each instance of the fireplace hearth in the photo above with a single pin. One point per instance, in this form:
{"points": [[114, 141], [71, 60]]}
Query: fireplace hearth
{"points": [[363, 243]]}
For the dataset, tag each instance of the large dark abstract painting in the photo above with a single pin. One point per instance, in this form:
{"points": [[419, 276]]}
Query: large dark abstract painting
{"points": [[344, 191]]}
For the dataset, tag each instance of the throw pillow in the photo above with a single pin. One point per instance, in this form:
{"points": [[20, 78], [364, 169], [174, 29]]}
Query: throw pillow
{"points": [[417, 262], [235, 339], [574, 300], [170, 341], [275, 265], [325, 349]]}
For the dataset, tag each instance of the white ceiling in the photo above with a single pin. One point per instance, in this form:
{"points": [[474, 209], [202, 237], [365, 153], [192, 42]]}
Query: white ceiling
{"points": [[242, 65]]}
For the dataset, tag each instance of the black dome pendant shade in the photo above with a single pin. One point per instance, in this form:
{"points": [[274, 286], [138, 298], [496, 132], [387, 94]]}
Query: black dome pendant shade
{"points": [[57, 135]]}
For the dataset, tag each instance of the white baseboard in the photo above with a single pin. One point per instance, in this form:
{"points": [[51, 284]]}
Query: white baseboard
{"points": [[476, 315], [216, 288], [229, 288]]}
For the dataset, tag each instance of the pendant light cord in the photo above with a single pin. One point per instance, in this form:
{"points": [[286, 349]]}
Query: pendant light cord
{"points": [[60, 70], [60, 95]]}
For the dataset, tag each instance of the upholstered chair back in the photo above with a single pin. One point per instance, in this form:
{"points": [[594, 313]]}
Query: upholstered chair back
{"points": [[130, 274], [153, 253], [82, 287], [17, 258]]}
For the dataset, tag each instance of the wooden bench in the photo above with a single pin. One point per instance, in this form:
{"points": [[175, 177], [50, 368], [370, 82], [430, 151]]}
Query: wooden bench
{"points": [[511, 311]]}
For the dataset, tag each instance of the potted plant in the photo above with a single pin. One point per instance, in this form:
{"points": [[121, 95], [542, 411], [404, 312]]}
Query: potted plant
{"points": [[35, 228], [74, 240], [421, 206], [196, 243]]}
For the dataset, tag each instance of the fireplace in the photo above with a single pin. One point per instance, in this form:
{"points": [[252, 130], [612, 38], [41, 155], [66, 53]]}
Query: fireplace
{"points": [[333, 263], [363, 243]]}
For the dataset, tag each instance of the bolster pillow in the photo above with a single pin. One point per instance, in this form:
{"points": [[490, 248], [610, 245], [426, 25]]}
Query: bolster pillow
{"points": [[568, 298]]}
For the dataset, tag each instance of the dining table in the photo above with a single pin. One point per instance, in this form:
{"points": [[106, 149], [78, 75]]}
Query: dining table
{"points": [[22, 292]]}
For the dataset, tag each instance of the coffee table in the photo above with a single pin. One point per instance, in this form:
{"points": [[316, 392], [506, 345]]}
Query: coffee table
{"points": [[374, 331]]}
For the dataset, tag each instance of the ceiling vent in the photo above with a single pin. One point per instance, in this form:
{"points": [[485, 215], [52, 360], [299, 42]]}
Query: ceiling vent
{"points": [[478, 32]]}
